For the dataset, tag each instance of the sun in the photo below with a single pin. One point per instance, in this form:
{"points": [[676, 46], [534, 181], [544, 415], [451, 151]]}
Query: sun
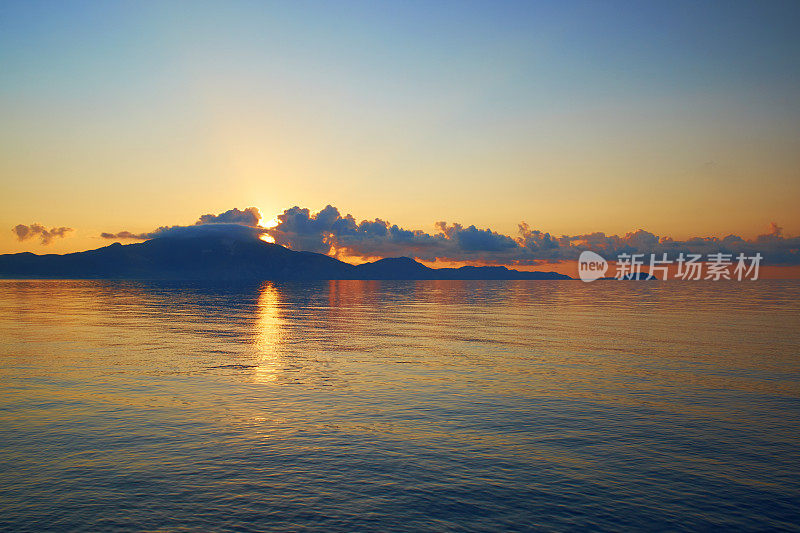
{"points": [[271, 223]]}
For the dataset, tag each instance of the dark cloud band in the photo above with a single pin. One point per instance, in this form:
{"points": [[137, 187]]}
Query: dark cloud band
{"points": [[328, 232]]}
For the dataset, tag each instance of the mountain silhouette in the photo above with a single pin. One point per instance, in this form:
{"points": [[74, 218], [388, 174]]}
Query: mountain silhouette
{"points": [[219, 258]]}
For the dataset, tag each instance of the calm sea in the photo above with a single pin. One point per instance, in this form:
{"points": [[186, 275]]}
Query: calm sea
{"points": [[399, 406]]}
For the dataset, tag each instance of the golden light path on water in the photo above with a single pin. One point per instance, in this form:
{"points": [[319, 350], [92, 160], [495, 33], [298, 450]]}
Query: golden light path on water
{"points": [[269, 331]]}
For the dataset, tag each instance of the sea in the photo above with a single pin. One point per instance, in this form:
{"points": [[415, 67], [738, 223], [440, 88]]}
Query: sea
{"points": [[399, 406]]}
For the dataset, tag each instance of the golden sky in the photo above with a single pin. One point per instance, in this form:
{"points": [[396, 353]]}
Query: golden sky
{"points": [[680, 119]]}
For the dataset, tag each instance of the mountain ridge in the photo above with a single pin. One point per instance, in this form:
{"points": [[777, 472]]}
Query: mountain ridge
{"points": [[213, 258]]}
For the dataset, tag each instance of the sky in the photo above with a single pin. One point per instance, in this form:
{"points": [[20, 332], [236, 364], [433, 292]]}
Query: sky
{"points": [[681, 119]]}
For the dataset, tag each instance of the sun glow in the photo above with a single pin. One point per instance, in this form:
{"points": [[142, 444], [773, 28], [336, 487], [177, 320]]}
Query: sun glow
{"points": [[271, 223]]}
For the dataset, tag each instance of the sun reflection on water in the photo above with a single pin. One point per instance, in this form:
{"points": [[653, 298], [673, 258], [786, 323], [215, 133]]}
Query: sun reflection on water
{"points": [[269, 332]]}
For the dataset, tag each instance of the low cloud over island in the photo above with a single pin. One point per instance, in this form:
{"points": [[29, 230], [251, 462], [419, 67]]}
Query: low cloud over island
{"points": [[328, 232], [237, 222]]}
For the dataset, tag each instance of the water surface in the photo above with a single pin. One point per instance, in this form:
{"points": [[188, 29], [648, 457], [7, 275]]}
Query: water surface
{"points": [[399, 406]]}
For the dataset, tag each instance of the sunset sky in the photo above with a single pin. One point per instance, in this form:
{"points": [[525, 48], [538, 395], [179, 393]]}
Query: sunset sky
{"points": [[679, 118]]}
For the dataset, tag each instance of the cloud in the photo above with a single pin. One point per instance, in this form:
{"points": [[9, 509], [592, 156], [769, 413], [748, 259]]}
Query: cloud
{"points": [[127, 235], [248, 217], [229, 231], [476, 240], [329, 232], [46, 236], [773, 246], [235, 223]]}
